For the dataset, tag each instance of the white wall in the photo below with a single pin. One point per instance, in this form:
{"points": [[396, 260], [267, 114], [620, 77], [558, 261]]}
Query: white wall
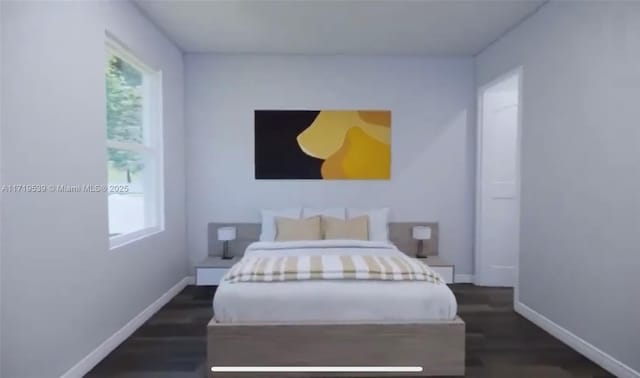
{"points": [[432, 104], [63, 291], [1, 179], [579, 256]]}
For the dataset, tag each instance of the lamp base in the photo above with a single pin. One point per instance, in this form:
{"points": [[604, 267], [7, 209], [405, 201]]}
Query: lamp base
{"points": [[419, 254], [225, 251]]}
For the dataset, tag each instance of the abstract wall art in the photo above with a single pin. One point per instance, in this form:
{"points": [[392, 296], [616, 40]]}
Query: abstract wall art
{"points": [[323, 144]]}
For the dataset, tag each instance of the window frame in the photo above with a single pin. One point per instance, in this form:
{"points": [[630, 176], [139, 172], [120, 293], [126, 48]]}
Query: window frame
{"points": [[152, 147]]}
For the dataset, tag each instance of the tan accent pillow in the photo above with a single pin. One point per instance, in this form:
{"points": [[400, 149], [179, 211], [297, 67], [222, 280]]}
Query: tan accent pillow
{"points": [[355, 228], [288, 229]]}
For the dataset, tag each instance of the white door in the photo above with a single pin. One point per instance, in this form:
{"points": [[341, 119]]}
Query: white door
{"points": [[498, 185]]}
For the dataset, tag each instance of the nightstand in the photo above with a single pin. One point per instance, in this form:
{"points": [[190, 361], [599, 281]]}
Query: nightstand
{"points": [[446, 270], [211, 270]]}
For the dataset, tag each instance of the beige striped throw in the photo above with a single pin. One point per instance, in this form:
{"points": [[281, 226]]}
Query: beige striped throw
{"points": [[330, 267]]}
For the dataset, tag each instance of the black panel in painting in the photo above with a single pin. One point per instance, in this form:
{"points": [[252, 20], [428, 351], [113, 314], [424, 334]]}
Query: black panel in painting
{"points": [[277, 153]]}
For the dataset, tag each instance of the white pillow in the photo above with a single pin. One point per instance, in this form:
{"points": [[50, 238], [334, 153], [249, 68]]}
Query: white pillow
{"points": [[268, 232], [336, 212], [378, 222]]}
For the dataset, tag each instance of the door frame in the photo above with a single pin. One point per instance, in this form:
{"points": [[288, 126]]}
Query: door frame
{"points": [[478, 275]]}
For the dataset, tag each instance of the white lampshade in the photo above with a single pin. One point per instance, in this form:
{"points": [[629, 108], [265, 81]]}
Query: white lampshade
{"points": [[227, 233], [421, 232]]}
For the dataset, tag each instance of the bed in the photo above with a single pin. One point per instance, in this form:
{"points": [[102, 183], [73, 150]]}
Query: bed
{"points": [[262, 319]]}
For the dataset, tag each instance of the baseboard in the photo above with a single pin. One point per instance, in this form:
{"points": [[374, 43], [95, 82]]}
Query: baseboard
{"points": [[583, 347], [92, 359], [191, 280], [464, 278]]}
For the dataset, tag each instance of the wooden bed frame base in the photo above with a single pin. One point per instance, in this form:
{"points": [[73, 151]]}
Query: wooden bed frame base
{"points": [[437, 346]]}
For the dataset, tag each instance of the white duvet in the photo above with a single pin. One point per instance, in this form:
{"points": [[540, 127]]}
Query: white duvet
{"points": [[331, 301]]}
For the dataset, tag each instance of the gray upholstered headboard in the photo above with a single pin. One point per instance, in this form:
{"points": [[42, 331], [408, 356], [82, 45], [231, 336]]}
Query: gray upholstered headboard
{"points": [[399, 233]]}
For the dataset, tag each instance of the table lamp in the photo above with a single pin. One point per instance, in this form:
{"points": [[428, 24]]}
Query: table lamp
{"points": [[421, 233], [225, 234]]}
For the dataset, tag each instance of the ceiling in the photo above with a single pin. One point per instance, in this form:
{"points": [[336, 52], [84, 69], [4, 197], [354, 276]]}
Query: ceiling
{"points": [[355, 27]]}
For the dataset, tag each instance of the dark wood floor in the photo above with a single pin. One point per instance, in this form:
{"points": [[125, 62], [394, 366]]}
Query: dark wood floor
{"points": [[500, 343]]}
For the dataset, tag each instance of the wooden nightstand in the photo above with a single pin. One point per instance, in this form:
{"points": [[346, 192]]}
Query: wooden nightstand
{"points": [[443, 267], [211, 270]]}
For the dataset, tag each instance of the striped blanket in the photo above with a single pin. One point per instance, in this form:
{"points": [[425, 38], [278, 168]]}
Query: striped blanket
{"points": [[396, 267]]}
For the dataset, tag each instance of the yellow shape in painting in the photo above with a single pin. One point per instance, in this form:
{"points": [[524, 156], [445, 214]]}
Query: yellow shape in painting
{"points": [[327, 132], [378, 117], [332, 168], [360, 157]]}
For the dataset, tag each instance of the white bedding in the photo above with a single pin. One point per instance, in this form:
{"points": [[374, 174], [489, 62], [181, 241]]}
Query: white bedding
{"points": [[331, 301]]}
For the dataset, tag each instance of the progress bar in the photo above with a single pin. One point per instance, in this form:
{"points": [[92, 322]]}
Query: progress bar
{"points": [[314, 369]]}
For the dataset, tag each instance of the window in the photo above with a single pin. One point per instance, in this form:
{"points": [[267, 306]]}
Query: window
{"points": [[134, 146]]}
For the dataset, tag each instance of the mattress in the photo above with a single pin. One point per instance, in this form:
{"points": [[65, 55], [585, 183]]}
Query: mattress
{"points": [[331, 301]]}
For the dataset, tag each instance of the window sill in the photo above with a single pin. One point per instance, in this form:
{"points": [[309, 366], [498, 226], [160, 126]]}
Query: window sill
{"points": [[116, 242]]}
